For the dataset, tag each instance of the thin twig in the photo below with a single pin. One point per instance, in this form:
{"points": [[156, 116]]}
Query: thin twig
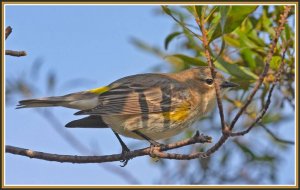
{"points": [[268, 102], [216, 146], [212, 68], [275, 137], [278, 31], [83, 149], [8, 30], [258, 118], [15, 53], [227, 132], [157, 152], [182, 24]]}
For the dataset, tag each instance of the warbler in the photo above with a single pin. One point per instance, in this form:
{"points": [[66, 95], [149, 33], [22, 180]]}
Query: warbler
{"points": [[151, 106]]}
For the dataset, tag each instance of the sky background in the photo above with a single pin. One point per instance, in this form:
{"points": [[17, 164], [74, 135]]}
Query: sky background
{"points": [[90, 44]]}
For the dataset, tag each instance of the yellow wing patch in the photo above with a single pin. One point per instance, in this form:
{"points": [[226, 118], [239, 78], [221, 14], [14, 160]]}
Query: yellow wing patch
{"points": [[99, 90], [179, 114]]}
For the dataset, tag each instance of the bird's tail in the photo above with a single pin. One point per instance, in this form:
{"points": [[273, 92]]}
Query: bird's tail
{"points": [[79, 100], [41, 102]]}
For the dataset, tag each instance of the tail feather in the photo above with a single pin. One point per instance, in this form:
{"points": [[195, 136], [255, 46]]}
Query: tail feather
{"points": [[79, 100], [41, 102]]}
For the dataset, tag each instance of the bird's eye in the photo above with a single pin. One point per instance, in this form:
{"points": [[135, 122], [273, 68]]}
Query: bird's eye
{"points": [[209, 81]]}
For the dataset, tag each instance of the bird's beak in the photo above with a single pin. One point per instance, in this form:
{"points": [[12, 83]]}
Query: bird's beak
{"points": [[227, 84]]}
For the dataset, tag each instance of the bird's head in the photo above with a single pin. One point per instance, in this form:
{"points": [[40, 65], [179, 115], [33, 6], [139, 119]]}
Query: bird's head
{"points": [[202, 78]]}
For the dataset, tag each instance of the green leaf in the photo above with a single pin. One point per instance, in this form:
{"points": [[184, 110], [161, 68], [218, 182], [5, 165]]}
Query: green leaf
{"points": [[235, 17], [246, 150], [180, 58], [240, 72], [146, 47], [210, 16], [287, 32], [198, 10], [215, 25], [191, 9], [275, 62], [266, 158], [272, 118], [170, 37], [248, 56], [232, 40], [224, 10], [166, 9]]}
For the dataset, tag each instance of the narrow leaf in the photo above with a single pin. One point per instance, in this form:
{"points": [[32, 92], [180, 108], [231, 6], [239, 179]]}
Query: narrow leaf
{"points": [[170, 37], [235, 17], [186, 59], [239, 72]]}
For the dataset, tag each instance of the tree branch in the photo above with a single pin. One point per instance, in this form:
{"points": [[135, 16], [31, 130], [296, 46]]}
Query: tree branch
{"points": [[8, 30], [212, 67], [268, 102], [157, 152], [278, 31], [227, 131], [15, 53]]}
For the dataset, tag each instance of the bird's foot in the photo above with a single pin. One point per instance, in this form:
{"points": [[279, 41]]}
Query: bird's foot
{"points": [[125, 151], [156, 146]]}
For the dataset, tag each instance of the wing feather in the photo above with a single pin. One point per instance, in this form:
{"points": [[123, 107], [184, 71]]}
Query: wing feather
{"points": [[140, 94]]}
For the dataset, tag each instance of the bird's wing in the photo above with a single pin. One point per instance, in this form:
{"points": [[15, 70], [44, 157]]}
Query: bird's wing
{"points": [[141, 94], [92, 121]]}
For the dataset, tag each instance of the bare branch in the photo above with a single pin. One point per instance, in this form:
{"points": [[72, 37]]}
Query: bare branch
{"points": [[157, 152], [83, 149], [216, 146], [15, 53], [8, 30]]}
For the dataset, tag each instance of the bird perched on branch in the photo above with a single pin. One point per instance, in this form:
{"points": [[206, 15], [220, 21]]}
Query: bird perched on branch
{"points": [[148, 106]]}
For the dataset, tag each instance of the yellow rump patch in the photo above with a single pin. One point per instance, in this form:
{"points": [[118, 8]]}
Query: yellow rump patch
{"points": [[179, 114], [99, 90]]}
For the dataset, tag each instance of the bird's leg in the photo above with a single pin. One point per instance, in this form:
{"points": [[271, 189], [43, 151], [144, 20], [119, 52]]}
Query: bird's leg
{"points": [[153, 144], [125, 149]]}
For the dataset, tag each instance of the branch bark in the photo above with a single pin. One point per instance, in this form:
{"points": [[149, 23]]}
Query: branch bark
{"points": [[278, 31], [227, 131], [212, 68], [268, 102], [8, 31], [157, 152], [15, 53]]}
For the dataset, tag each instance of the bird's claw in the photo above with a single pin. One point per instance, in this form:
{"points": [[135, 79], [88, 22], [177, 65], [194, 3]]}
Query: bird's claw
{"points": [[124, 153], [156, 147]]}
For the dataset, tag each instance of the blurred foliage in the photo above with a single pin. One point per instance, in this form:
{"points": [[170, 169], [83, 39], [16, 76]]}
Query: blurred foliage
{"points": [[239, 38]]}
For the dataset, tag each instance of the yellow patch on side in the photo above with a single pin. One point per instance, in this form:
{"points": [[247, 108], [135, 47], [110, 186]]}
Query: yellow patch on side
{"points": [[179, 114], [99, 90]]}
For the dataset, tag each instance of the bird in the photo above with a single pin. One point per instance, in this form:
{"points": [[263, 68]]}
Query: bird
{"points": [[149, 106]]}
